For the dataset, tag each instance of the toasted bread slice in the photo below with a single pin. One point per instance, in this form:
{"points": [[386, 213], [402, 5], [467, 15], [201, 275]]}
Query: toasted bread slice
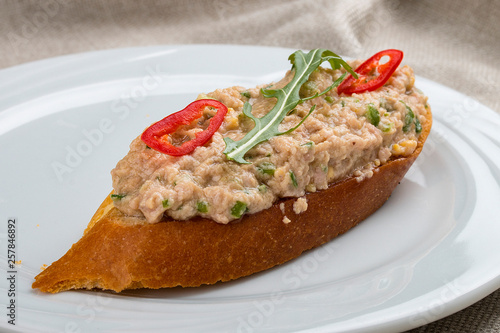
{"points": [[120, 252]]}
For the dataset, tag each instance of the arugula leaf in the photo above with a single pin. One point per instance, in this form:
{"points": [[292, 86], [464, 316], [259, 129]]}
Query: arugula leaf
{"points": [[287, 99]]}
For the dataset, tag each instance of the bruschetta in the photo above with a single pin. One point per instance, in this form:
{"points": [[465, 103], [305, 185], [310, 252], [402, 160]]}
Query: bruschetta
{"points": [[244, 179]]}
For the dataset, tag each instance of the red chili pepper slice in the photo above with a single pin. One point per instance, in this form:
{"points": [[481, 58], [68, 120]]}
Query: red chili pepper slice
{"points": [[371, 74], [156, 135]]}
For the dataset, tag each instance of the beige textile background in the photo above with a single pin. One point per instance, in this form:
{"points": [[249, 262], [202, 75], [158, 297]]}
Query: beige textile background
{"points": [[456, 43]]}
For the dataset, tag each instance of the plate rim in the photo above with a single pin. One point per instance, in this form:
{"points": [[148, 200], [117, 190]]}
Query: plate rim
{"points": [[480, 291]]}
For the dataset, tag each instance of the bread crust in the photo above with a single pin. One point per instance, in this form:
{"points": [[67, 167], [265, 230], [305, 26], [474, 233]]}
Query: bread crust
{"points": [[120, 252]]}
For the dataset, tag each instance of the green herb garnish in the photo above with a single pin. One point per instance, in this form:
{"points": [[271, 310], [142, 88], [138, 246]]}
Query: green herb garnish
{"points": [[372, 115], [202, 206], [245, 94], [165, 203], [117, 196], [238, 209], [287, 99], [267, 168], [308, 144], [385, 104], [386, 127], [409, 118], [294, 179], [418, 125], [310, 88]]}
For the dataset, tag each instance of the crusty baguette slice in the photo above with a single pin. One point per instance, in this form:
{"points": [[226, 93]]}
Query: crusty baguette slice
{"points": [[120, 252]]}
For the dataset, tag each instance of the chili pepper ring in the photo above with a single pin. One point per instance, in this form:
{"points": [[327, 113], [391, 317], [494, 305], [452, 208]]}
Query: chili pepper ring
{"points": [[371, 73], [156, 135]]}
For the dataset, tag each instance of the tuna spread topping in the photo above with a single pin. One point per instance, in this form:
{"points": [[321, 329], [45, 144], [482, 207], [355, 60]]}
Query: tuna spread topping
{"points": [[340, 136]]}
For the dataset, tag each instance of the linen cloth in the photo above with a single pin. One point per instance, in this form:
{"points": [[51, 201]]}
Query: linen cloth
{"points": [[455, 43]]}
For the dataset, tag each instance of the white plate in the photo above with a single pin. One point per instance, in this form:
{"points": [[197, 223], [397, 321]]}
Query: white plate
{"points": [[431, 250]]}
